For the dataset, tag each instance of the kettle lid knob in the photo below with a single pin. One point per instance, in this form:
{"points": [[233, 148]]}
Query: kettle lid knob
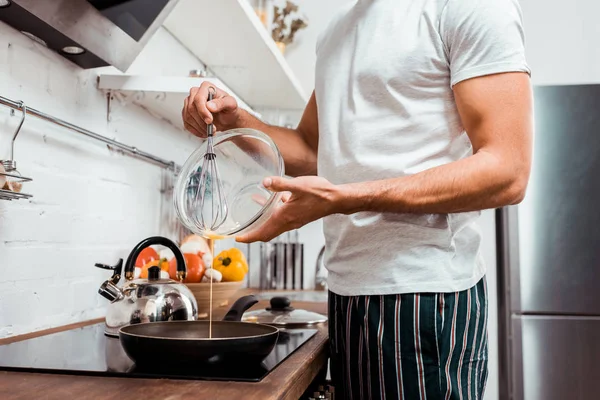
{"points": [[153, 273]]}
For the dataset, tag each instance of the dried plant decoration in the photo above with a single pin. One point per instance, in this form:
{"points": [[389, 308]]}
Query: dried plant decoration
{"points": [[286, 23]]}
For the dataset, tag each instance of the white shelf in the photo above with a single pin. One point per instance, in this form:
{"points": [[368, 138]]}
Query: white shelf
{"points": [[229, 38], [161, 95]]}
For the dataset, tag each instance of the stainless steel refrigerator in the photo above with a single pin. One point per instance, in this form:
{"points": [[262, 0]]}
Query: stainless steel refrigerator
{"points": [[549, 257]]}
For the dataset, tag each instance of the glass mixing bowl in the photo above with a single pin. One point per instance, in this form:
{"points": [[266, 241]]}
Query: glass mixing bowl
{"points": [[244, 158]]}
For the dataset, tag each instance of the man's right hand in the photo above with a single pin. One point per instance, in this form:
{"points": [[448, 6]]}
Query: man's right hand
{"points": [[297, 146], [197, 112]]}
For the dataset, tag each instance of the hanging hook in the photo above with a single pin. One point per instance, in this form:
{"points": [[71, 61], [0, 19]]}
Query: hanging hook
{"points": [[23, 108], [11, 165]]}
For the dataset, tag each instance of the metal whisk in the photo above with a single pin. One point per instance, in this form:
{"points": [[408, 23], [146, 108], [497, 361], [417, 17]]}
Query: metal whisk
{"points": [[209, 184]]}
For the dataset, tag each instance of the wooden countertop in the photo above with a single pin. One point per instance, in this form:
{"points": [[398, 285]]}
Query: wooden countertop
{"points": [[288, 381]]}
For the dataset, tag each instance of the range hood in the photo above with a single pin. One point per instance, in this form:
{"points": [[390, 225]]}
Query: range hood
{"points": [[90, 33]]}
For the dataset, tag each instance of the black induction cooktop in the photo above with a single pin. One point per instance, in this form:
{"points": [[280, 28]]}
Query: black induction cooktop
{"points": [[88, 351]]}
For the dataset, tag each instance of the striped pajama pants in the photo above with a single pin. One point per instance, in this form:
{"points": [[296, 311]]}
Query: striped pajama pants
{"points": [[410, 346]]}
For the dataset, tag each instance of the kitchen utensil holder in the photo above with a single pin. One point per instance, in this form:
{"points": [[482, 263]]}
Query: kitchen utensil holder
{"points": [[10, 166], [282, 265]]}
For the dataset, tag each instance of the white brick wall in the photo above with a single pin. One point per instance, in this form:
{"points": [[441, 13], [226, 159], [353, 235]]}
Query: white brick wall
{"points": [[90, 204]]}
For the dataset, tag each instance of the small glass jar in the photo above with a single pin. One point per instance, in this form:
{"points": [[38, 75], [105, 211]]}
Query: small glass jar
{"points": [[264, 10]]}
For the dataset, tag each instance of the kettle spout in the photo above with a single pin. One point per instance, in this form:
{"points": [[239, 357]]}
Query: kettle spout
{"points": [[109, 289]]}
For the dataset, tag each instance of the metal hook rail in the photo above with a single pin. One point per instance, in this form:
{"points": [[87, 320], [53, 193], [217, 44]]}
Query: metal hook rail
{"points": [[17, 105], [10, 178]]}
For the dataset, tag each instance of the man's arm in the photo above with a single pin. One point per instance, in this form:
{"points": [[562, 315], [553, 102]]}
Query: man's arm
{"points": [[496, 111], [497, 114], [297, 146]]}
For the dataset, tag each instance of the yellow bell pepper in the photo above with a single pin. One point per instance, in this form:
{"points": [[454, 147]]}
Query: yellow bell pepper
{"points": [[231, 264]]}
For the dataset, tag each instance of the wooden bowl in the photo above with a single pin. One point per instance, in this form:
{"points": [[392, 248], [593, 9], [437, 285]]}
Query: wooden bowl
{"points": [[223, 294]]}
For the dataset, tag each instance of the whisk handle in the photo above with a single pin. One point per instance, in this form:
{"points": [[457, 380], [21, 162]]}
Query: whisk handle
{"points": [[210, 127]]}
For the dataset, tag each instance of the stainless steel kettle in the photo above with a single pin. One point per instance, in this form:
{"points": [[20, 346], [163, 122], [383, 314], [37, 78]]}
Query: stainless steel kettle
{"points": [[146, 300]]}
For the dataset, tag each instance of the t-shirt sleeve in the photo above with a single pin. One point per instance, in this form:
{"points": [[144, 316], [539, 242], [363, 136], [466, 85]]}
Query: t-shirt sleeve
{"points": [[483, 37]]}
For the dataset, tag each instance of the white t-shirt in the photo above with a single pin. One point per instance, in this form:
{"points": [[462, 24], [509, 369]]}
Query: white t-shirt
{"points": [[384, 76]]}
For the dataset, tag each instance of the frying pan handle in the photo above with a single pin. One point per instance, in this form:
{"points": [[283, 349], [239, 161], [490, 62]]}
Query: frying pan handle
{"points": [[239, 307]]}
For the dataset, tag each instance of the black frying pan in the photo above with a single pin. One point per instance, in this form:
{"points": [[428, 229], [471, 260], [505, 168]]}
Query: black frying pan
{"points": [[187, 342]]}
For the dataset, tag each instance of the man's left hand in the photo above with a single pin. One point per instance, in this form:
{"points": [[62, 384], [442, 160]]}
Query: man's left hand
{"points": [[304, 200]]}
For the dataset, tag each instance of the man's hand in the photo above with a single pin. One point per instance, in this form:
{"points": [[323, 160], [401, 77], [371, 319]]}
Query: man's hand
{"points": [[305, 199], [197, 111], [297, 146]]}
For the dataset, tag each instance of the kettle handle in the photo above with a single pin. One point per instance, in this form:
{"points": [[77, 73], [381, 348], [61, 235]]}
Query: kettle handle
{"points": [[130, 264]]}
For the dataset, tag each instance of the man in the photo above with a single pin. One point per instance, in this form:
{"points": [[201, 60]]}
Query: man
{"points": [[421, 117]]}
